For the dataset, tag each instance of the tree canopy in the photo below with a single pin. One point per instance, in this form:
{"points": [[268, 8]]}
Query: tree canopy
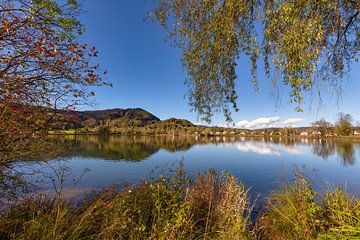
{"points": [[321, 126], [305, 44], [43, 68], [343, 125]]}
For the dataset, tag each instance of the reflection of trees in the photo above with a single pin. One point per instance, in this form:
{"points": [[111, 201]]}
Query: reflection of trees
{"points": [[112, 148], [137, 148], [323, 148], [289, 141], [132, 148], [346, 152]]}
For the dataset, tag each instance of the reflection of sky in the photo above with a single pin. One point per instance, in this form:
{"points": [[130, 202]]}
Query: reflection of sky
{"points": [[258, 147], [266, 148]]}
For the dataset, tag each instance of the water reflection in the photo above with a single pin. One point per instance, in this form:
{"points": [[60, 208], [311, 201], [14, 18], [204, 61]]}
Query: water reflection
{"points": [[347, 152], [256, 161], [324, 148], [127, 148], [257, 147], [343, 149], [138, 148]]}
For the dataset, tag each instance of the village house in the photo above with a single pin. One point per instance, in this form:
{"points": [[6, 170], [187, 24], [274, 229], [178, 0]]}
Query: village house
{"points": [[316, 133], [304, 134], [357, 132]]}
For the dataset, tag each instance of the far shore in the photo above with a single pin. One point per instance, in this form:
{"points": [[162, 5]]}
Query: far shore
{"points": [[135, 133]]}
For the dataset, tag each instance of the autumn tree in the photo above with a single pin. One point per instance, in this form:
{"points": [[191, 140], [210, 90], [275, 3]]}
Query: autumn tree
{"points": [[44, 68], [343, 125], [306, 45], [321, 126]]}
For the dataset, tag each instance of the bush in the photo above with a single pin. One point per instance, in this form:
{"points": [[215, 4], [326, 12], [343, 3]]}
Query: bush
{"points": [[103, 130], [296, 211], [292, 212], [342, 213], [220, 206]]}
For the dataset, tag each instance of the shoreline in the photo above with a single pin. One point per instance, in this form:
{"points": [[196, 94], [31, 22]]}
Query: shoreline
{"points": [[74, 133]]}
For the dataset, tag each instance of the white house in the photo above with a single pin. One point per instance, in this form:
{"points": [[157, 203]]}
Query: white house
{"points": [[304, 134], [316, 133], [357, 132]]}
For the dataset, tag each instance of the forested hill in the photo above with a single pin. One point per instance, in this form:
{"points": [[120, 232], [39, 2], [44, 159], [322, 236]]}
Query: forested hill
{"points": [[109, 114], [117, 116]]}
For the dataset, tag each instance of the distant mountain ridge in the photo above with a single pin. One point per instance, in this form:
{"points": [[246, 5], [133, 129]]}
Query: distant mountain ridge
{"points": [[117, 116], [110, 114]]}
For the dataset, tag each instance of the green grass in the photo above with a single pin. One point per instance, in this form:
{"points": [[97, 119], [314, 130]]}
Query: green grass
{"points": [[296, 211], [63, 132], [292, 212], [213, 206]]}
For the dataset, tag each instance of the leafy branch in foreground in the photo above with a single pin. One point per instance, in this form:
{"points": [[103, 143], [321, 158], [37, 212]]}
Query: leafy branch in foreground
{"points": [[43, 68], [306, 45]]}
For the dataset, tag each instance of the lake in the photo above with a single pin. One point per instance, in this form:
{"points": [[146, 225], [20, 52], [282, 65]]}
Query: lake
{"points": [[93, 163]]}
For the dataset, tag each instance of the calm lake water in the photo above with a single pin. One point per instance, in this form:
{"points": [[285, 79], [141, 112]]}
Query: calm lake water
{"points": [[94, 163]]}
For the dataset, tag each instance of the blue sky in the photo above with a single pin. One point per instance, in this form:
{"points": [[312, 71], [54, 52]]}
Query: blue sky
{"points": [[146, 72]]}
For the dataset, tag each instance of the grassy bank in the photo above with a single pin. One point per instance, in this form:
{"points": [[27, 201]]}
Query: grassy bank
{"points": [[213, 206]]}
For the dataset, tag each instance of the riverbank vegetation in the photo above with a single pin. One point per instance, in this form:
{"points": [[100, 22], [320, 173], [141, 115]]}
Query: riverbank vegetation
{"points": [[213, 206], [137, 121], [140, 122]]}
